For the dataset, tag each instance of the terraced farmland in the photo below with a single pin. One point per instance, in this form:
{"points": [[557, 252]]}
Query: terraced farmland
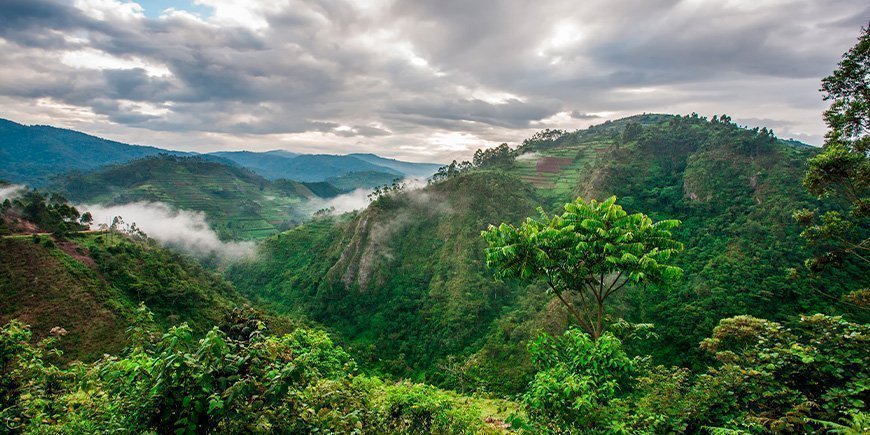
{"points": [[554, 171]]}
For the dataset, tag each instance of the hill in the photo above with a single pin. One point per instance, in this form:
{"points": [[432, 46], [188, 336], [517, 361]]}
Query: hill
{"points": [[237, 203], [415, 170], [395, 280], [32, 155], [368, 169], [91, 284]]}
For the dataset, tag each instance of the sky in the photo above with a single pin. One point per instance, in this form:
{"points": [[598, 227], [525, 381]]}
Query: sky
{"points": [[415, 80]]}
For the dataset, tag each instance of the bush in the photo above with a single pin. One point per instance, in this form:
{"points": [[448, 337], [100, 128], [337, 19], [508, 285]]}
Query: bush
{"points": [[578, 382]]}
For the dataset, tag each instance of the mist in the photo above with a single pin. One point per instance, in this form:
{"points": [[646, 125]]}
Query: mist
{"points": [[355, 200], [11, 191], [358, 199], [185, 230]]}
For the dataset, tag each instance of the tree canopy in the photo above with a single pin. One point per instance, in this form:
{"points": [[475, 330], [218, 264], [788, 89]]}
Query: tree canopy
{"points": [[585, 255], [840, 175]]}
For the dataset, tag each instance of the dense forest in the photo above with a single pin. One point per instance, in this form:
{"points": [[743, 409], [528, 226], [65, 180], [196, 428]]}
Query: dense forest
{"points": [[655, 274]]}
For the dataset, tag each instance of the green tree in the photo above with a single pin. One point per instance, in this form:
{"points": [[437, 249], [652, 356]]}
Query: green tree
{"points": [[577, 381], [773, 378], [840, 175], [86, 219], [585, 255], [632, 131]]}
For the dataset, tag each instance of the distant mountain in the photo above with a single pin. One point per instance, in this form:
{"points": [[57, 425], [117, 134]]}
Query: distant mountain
{"points": [[420, 170], [321, 167], [238, 203], [362, 180], [272, 164], [33, 154]]}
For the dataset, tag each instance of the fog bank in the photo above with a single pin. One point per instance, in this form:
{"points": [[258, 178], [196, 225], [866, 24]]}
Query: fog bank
{"points": [[11, 191], [182, 229]]}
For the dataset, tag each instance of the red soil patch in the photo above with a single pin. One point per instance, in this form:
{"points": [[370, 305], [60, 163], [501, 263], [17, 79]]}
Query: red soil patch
{"points": [[552, 164], [17, 224], [79, 253]]}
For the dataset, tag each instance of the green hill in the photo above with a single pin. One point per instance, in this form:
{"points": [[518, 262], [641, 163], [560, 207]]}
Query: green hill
{"points": [[366, 170], [418, 170], [90, 285], [32, 155], [404, 282], [237, 203]]}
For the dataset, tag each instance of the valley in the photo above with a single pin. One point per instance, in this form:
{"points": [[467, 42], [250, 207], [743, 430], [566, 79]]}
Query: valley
{"points": [[391, 282], [610, 273]]}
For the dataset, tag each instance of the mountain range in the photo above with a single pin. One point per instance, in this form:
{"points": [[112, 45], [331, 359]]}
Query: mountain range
{"points": [[34, 155]]}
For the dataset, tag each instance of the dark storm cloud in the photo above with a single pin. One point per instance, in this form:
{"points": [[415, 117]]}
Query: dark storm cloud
{"points": [[511, 113], [580, 115], [25, 22], [399, 73]]}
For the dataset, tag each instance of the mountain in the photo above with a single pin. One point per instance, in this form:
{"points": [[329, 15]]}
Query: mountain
{"points": [[323, 167], [238, 203], [32, 155], [397, 280], [362, 180], [416, 170], [304, 167]]}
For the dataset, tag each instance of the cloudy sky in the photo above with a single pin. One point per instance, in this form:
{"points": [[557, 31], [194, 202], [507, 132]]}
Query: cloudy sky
{"points": [[417, 80]]}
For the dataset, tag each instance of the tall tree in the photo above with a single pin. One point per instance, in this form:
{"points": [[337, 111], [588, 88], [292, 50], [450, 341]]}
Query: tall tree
{"points": [[585, 255], [840, 175]]}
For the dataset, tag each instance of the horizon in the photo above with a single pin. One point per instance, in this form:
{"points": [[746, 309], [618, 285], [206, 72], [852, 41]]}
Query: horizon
{"points": [[410, 81], [351, 153]]}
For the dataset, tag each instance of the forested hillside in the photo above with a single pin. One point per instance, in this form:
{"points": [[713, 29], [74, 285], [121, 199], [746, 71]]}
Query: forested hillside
{"points": [[89, 285], [238, 203], [32, 155], [321, 167], [397, 279]]}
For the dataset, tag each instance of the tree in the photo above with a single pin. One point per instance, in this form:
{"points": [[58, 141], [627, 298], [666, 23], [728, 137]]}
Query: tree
{"points": [[585, 255], [632, 131], [86, 219], [840, 175]]}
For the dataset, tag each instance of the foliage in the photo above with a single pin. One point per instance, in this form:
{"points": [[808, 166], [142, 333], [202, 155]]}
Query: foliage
{"points": [[840, 175], [495, 156], [50, 213], [632, 131], [297, 383], [381, 192], [393, 281], [766, 378], [588, 253], [174, 286], [775, 378], [578, 382], [500, 156]]}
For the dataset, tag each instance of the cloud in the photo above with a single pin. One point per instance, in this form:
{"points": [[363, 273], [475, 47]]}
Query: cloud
{"points": [[11, 191], [390, 77], [355, 200], [181, 229], [580, 115]]}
